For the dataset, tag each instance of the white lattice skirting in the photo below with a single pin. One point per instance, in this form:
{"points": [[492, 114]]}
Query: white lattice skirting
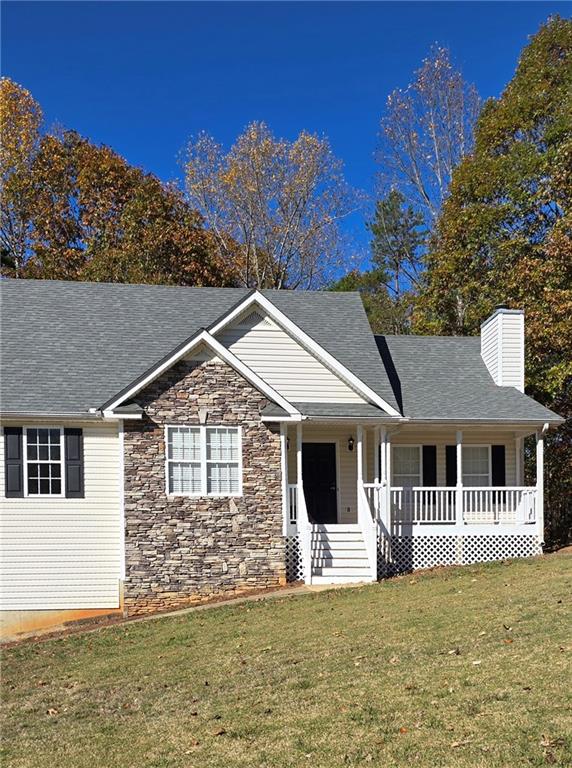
{"points": [[294, 567], [410, 553]]}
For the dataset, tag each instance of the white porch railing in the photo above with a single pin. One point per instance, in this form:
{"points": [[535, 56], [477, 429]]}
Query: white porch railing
{"points": [[292, 507], [298, 520], [499, 505], [368, 524], [423, 505], [482, 506]]}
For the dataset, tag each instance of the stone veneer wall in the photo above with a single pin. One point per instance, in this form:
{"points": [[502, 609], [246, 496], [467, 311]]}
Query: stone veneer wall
{"points": [[182, 550]]}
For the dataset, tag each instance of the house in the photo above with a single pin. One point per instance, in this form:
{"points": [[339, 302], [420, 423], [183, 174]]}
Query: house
{"points": [[163, 445]]}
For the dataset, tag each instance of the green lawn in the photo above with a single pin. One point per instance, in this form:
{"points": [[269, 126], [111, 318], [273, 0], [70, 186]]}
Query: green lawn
{"points": [[460, 667]]}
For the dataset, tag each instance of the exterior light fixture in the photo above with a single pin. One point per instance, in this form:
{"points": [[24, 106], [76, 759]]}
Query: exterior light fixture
{"points": [[350, 443]]}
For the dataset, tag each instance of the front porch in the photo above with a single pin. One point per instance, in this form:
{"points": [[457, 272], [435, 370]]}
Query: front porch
{"points": [[402, 498]]}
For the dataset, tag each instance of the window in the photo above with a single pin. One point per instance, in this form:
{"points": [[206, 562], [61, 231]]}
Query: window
{"points": [[406, 466], [476, 465], [43, 462], [203, 461]]}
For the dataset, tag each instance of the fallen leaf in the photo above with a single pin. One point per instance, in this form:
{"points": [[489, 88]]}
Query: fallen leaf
{"points": [[508, 640], [52, 711], [456, 744], [476, 663], [403, 729], [394, 660], [220, 732]]}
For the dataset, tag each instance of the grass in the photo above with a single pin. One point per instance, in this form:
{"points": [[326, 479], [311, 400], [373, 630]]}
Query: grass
{"points": [[462, 667]]}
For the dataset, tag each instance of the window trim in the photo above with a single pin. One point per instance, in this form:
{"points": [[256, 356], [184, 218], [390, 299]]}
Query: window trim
{"points": [[203, 461], [419, 447], [490, 463], [62, 462]]}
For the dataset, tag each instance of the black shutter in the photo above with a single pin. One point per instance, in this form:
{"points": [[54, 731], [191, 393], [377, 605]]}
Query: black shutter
{"points": [[13, 462], [498, 465], [450, 465], [74, 463], [430, 465]]}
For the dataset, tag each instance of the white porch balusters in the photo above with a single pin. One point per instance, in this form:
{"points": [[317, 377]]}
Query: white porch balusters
{"points": [[540, 484], [365, 519], [304, 527], [459, 494]]}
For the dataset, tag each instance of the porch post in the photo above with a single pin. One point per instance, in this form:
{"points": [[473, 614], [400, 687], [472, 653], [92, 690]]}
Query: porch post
{"points": [[359, 456], [459, 492], [284, 463], [540, 484], [388, 479], [299, 461], [518, 460], [380, 475], [376, 455]]}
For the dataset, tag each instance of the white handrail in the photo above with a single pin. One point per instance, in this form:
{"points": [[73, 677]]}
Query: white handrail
{"points": [[305, 534], [481, 505], [292, 507], [423, 505], [369, 530], [499, 504]]}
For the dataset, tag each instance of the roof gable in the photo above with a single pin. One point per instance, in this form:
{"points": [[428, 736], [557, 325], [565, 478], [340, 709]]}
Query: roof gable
{"points": [[68, 347]]}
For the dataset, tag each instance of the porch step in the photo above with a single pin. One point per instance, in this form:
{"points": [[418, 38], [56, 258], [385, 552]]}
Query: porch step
{"points": [[349, 551], [316, 579], [335, 560], [336, 528], [339, 555]]}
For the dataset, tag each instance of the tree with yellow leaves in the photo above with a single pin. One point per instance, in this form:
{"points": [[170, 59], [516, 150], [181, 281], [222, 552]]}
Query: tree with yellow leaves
{"points": [[281, 201]]}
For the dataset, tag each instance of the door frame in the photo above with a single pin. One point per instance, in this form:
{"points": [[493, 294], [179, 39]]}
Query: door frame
{"points": [[336, 442]]}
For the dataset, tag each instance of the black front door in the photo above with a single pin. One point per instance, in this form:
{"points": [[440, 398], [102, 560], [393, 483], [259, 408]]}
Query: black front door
{"points": [[319, 479]]}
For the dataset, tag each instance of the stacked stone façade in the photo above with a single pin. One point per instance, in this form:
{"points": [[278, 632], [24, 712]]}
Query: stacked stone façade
{"points": [[181, 550]]}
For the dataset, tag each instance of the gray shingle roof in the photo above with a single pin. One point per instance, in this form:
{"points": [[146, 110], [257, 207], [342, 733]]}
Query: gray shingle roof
{"points": [[70, 346], [445, 378], [330, 410]]}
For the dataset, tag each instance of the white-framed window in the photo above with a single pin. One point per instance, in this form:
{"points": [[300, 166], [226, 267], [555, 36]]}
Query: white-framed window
{"points": [[203, 461], [43, 461], [476, 465], [407, 466]]}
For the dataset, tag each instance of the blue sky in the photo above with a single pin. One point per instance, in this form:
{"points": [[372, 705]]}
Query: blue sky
{"points": [[144, 76]]}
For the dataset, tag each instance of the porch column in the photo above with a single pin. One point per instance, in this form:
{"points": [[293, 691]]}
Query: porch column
{"points": [[381, 476], [284, 463], [388, 479], [376, 455], [518, 460], [540, 484], [359, 456], [299, 461], [459, 492]]}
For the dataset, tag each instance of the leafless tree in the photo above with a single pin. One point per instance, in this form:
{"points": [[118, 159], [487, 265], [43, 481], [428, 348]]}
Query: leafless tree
{"points": [[274, 206], [427, 128]]}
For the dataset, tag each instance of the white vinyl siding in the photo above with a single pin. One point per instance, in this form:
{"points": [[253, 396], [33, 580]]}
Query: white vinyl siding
{"points": [[490, 347], [59, 553], [283, 363], [513, 351], [502, 348]]}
